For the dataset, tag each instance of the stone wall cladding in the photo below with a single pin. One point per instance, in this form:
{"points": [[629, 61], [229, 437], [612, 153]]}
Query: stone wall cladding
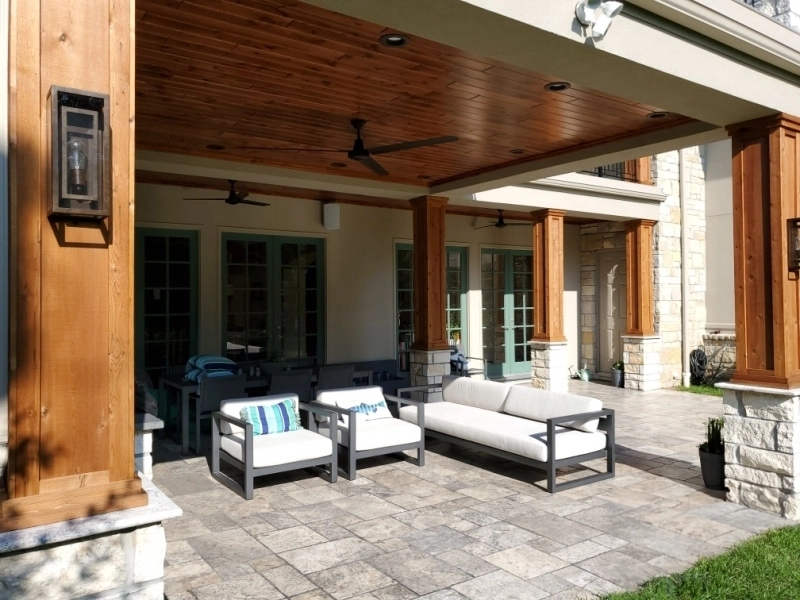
{"points": [[762, 469], [428, 368], [720, 349], [667, 279], [786, 12], [549, 369], [642, 369]]}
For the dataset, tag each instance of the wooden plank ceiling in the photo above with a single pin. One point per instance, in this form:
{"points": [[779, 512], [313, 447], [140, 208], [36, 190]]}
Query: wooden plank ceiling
{"points": [[214, 77]]}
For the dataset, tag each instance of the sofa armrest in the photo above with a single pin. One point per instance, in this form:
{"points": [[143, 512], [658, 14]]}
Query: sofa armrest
{"points": [[419, 388], [218, 416], [418, 403], [352, 422], [606, 417], [221, 416], [318, 410], [400, 401], [606, 413]]}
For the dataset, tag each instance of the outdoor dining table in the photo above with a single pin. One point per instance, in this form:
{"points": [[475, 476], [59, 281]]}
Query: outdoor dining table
{"points": [[185, 388]]}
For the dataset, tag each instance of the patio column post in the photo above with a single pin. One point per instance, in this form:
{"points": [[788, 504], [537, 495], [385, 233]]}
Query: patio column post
{"points": [[762, 401], [430, 352], [549, 369], [640, 344]]}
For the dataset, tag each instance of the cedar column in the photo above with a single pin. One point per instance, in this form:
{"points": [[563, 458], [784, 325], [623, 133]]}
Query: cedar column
{"points": [[429, 273], [639, 264], [548, 275], [766, 193]]}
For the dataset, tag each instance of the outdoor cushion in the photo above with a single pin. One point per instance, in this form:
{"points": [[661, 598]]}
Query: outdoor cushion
{"points": [[233, 408], [279, 449], [209, 365], [379, 433], [488, 395], [540, 405], [354, 397], [272, 418], [505, 432]]}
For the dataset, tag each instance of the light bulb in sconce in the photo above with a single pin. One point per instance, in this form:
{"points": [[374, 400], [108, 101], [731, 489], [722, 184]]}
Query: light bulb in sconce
{"points": [[77, 163]]}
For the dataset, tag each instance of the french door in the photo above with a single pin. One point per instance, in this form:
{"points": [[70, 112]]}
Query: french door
{"points": [[272, 298], [611, 306], [507, 294]]}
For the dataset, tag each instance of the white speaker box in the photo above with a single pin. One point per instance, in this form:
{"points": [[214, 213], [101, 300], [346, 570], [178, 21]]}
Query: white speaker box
{"points": [[330, 215]]}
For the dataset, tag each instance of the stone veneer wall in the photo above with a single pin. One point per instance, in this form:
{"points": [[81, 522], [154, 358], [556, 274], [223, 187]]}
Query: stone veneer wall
{"points": [[610, 235], [720, 349], [428, 368], [783, 11], [549, 369]]}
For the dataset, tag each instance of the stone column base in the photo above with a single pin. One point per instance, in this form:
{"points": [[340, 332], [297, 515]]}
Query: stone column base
{"points": [[642, 358], [427, 368], [549, 369], [762, 447]]}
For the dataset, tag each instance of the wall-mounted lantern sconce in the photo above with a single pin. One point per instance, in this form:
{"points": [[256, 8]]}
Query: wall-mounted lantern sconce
{"points": [[794, 244], [81, 162]]}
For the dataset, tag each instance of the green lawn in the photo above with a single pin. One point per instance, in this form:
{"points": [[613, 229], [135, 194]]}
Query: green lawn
{"points": [[709, 390], [766, 567]]}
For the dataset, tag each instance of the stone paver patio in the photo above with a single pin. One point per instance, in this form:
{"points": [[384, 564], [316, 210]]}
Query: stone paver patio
{"points": [[466, 525]]}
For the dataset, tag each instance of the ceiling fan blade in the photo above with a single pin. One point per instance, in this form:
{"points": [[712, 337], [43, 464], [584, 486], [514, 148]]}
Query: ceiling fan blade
{"points": [[518, 224], [485, 226], [410, 145], [223, 199], [371, 164], [242, 195], [252, 202], [288, 149]]}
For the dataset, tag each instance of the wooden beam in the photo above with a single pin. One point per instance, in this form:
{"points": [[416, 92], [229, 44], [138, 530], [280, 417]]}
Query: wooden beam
{"points": [[766, 193], [429, 273], [548, 275], [639, 264]]}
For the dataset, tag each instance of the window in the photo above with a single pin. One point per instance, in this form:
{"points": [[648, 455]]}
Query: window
{"points": [[637, 171], [166, 299], [272, 305], [455, 294]]}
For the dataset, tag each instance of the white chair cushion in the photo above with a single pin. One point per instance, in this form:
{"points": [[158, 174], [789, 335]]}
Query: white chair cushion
{"points": [[379, 433], [233, 408], [488, 395], [279, 448], [350, 397], [540, 405], [504, 432]]}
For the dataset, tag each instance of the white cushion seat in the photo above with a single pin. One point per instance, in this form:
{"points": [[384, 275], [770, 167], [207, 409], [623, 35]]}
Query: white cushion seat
{"points": [[279, 448], [379, 433], [508, 433]]}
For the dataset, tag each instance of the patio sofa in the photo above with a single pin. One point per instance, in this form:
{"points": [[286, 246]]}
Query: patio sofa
{"points": [[541, 428]]}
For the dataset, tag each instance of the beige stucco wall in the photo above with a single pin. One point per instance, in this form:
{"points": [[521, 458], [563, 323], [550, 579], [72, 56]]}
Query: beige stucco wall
{"points": [[719, 220]]}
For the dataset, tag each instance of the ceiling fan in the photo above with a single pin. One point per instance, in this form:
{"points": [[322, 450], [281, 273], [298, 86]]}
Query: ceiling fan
{"points": [[364, 155], [234, 197], [501, 224]]}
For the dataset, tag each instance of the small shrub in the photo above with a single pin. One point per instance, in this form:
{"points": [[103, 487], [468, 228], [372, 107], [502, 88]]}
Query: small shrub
{"points": [[714, 442]]}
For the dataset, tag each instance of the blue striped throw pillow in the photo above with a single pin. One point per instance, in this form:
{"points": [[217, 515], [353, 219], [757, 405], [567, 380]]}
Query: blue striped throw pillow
{"points": [[272, 418]]}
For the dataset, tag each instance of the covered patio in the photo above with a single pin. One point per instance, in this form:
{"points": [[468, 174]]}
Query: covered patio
{"points": [[464, 526]]}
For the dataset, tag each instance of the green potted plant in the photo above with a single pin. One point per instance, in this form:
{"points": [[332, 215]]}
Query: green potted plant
{"points": [[618, 374], [712, 455]]}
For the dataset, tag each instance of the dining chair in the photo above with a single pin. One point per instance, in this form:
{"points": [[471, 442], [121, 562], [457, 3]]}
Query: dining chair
{"points": [[332, 377], [292, 382], [210, 393]]}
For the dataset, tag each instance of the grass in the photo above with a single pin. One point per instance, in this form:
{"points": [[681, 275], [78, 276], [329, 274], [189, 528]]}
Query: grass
{"points": [[766, 567], [708, 390]]}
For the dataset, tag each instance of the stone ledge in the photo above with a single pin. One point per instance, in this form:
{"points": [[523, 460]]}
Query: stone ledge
{"points": [[159, 508], [742, 387]]}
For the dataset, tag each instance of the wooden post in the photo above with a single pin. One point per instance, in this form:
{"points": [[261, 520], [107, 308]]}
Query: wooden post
{"points": [[639, 265], [766, 193], [71, 301], [429, 272], [548, 275]]}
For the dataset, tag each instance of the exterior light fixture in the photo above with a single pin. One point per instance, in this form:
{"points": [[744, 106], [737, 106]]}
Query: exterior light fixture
{"points": [[81, 161], [557, 86], [659, 114], [794, 245], [596, 16], [393, 40], [517, 151]]}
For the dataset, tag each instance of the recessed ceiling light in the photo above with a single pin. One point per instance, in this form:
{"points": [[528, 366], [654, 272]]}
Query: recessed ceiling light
{"points": [[215, 147], [339, 165], [393, 40], [517, 151], [659, 114], [557, 86], [423, 176]]}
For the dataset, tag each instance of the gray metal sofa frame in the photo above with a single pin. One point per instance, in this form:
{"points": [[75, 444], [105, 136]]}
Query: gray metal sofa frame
{"points": [[550, 467], [351, 456], [247, 468]]}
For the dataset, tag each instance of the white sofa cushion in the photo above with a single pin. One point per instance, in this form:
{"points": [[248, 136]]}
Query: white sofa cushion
{"points": [[233, 408], [279, 448], [516, 435], [540, 405], [479, 393], [379, 433], [354, 397]]}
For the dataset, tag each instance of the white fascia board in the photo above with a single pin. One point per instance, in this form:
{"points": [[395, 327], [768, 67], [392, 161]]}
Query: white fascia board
{"points": [[580, 196], [180, 164]]}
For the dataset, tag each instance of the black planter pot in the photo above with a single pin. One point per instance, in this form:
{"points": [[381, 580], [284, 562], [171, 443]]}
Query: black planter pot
{"points": [[713, 469], [617, 377]]}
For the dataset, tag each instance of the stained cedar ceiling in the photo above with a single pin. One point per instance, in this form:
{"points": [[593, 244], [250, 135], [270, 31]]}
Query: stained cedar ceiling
{"points": [[242, 73]]}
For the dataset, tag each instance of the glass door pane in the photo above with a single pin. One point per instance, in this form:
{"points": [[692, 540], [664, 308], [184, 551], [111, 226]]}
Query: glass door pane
{"points": [[298, 312], [246, 288], [493, 280]]}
